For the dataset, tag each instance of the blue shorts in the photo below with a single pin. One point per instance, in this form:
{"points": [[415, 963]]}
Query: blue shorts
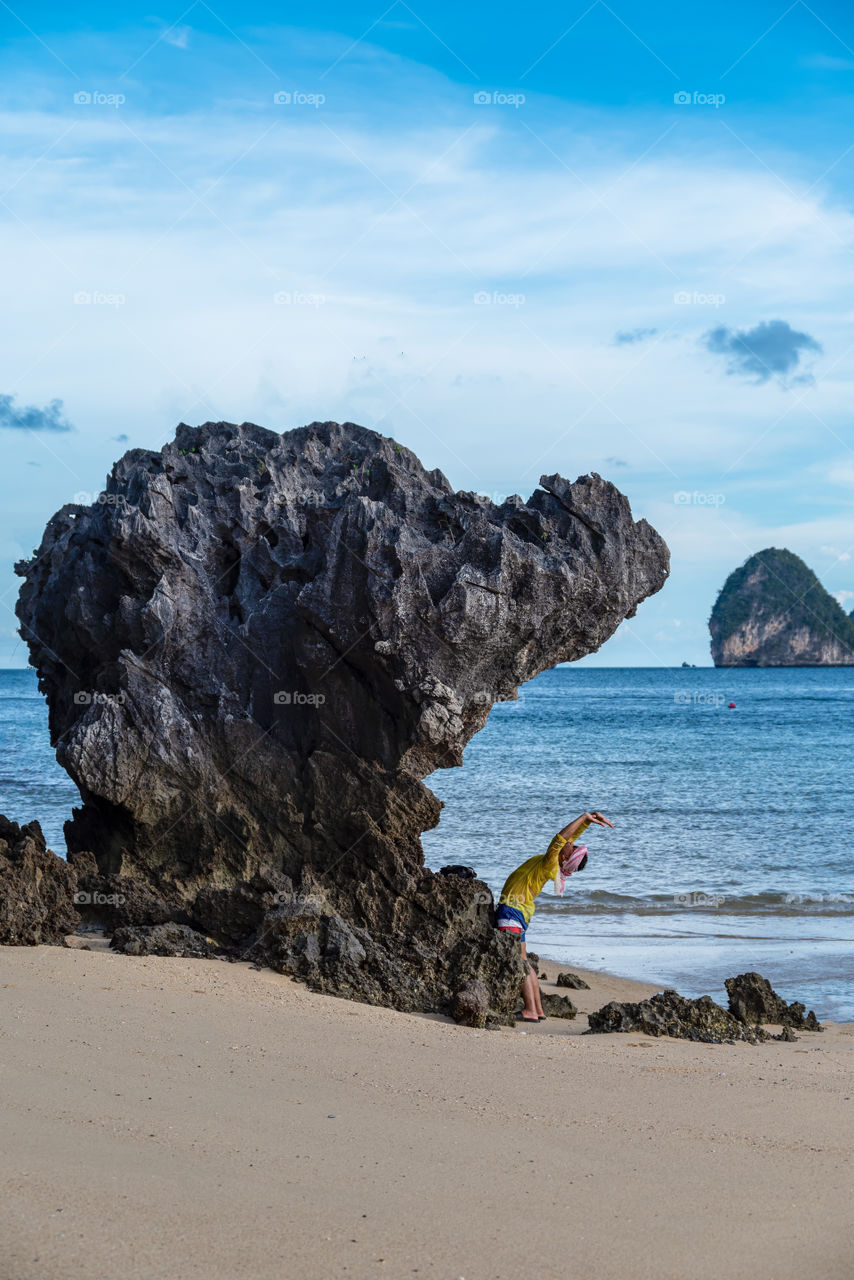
{"points": [[510, 920]]}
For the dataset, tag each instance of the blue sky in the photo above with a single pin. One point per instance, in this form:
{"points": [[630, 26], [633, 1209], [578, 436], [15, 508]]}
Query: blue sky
{"points": [[611, 237]]}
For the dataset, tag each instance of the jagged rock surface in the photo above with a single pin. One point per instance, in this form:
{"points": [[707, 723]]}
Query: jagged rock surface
{"points": [[572, 980], [470, 1005], [669, 1014], [752, 999], [774, 612], [555, 1006], [36, 888], [254, 647], [162, 940]]}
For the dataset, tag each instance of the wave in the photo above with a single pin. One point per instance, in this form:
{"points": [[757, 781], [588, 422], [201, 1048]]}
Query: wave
{"points": [[778, 903]]}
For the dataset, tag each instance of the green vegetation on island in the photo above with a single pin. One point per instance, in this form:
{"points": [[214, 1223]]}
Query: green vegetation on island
{"points": [[774, 612]]}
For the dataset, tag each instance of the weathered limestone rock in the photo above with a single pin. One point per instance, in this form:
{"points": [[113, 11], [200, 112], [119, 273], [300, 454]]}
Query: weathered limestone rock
{"points": [[162, 940], [669, 1014], [555, 1006], [572, 980], [36, 888], [256, 646], [752, 999], [471, 1004]]}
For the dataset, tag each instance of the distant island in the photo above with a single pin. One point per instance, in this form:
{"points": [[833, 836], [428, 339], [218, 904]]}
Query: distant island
{"points": [[774, 612]]}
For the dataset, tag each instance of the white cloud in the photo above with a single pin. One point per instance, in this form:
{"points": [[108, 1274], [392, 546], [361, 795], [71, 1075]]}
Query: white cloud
{"points": [[200, 217]]}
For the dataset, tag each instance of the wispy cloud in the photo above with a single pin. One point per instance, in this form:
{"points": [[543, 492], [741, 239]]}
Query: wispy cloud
{"points": [[628, 336], [29, 418]]}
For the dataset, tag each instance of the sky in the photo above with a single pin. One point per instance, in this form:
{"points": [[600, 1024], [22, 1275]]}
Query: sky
{"points": [[610, 237]]}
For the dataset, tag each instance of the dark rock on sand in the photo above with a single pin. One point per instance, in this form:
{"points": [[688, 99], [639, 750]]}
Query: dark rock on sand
{"points": [[162, 940], [669, 1014], [572, 980], [309, 936], [752, 999], [255, 646], [36, 888], [555, 1006], [471, 1004]]}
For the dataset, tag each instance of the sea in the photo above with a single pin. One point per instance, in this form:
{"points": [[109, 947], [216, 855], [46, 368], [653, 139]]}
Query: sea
{"points": [[731, 794], [732, 798]]}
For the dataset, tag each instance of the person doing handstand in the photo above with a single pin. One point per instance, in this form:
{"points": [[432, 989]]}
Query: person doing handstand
{"points": [[516, 904]]}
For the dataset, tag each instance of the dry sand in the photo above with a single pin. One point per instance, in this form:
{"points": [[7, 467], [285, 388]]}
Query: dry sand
{"points": [[172, 1119]]}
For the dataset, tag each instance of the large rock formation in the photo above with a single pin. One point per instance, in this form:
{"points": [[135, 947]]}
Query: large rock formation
{"points": [[255, 646], [774, 612], [37, 889]]}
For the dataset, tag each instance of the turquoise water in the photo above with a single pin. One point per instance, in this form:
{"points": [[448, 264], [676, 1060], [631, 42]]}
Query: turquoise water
{"points": [[732, 846]]}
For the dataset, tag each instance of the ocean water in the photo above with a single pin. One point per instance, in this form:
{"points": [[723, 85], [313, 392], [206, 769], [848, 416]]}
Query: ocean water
{"points": [[733, 845], [32, 785], [733, 840]]}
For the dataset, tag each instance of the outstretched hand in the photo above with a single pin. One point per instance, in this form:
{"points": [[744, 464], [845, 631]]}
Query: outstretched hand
{"points": [[598, 819]]}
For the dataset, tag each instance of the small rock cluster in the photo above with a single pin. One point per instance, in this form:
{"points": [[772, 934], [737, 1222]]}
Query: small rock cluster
{"points": [[669, 1014], [752, 1002]]}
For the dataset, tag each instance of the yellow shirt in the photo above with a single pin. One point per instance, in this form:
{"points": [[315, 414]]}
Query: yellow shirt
{"points": [[522, 885]]}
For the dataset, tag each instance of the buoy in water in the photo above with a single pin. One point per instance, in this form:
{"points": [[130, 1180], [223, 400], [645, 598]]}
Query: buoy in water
{"points": [[731, 706]]}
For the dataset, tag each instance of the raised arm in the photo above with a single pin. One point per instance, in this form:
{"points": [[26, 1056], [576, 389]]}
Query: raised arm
{"points": [[580, 824]]}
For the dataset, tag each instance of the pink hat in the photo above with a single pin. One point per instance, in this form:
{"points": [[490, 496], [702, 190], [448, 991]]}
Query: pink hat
{"points": [[578, 855]]}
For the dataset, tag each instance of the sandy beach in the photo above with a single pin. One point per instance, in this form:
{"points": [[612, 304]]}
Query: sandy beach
{"points": [[179, 1119]]}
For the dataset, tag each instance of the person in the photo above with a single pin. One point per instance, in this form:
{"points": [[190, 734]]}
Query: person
{"points": [[516, 904]]}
